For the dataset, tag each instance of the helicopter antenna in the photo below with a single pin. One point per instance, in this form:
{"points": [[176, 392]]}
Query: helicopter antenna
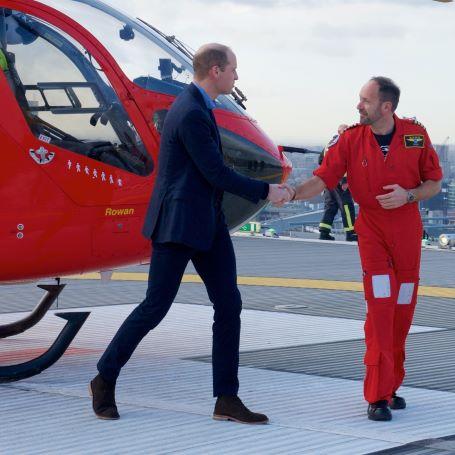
{"points": [[187, 50], [171, 39], [239, 97]]}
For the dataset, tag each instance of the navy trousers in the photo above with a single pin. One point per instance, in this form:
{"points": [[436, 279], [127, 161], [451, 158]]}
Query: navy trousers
{"points": [[217, 268]]}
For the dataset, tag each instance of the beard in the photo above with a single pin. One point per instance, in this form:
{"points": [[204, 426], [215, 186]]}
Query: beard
{"points": [[366, 119]]}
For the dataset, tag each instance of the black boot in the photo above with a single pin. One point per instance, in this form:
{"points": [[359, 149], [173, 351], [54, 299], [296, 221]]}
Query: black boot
{"points": [[351, 237], [397, 402], [103, 398], [324, 235], [379, 411], [231, 408]]}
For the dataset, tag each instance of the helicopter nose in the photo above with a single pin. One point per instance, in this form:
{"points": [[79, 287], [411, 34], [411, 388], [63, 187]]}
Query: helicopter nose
{"points": [[246, 158], [250, 160]]}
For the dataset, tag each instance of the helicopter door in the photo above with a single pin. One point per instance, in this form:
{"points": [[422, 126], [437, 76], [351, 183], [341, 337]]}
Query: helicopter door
{"points": [[81, 133]]}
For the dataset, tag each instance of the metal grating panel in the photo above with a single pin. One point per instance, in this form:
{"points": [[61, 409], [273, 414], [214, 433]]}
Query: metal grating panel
{"points": [[429, 363], [412, 449], [439, 446]]}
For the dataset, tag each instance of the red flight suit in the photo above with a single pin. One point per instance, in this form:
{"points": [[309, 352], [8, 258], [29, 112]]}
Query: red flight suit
{"points": [[389, 240]]}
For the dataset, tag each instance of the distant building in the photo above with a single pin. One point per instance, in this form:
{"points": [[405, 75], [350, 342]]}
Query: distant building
{"points": [[444, 160], [451, 194]]}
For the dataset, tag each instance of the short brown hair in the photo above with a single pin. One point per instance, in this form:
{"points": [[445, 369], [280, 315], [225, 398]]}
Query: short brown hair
{"points": [[388, 90], [207, 56]]}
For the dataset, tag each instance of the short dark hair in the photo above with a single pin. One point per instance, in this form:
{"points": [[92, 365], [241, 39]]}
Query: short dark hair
{"points": [[388, 90], [207, 56]]}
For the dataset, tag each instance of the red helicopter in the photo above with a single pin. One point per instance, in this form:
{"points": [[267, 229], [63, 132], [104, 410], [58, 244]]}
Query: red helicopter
{"points": [[84, 93]]}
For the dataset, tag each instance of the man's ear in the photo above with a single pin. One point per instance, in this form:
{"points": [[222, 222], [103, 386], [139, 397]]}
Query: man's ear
{"points": [[216, 70], [387, 106]]}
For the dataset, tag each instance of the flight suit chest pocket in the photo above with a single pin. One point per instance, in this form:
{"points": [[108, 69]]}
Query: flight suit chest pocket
{"points": [[410, 154], [359, 184]]}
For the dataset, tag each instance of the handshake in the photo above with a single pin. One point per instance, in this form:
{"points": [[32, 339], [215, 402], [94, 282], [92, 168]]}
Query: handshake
{"points": [[279, 194]]}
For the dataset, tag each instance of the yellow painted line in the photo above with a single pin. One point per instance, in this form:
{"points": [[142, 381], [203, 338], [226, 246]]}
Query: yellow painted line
{"points": [[433, 291], [85, 276], [354, 286]]}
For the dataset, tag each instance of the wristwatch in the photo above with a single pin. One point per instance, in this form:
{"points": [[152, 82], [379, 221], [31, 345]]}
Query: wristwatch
{"points": [[294, 195], [410, 197]]}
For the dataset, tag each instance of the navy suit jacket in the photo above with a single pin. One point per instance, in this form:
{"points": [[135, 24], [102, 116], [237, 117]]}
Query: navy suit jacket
{"points": [[192, 176]]}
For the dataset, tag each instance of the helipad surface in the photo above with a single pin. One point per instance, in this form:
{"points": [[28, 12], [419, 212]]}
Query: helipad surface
{"points": [[301, 363]]}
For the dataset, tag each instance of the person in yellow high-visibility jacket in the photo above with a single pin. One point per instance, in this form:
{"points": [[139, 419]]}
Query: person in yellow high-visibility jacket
{"points": [[339, 198], [3, 61]]}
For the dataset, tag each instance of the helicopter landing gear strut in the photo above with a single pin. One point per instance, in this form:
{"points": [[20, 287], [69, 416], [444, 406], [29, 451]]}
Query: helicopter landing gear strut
{"points": [[10, 373], [52, 292]]}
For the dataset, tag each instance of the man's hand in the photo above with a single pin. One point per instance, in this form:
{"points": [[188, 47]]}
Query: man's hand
{"points": [[291, 192], [394, 199], [280, 194], [342, 128]]}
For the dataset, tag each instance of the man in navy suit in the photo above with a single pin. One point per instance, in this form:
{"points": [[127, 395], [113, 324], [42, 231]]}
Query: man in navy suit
{"points": [[185, 222]]}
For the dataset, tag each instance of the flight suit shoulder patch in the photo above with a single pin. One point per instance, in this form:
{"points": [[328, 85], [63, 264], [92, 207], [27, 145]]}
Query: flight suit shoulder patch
{"points": [[414, 121], [414, 140], [332, 142]]}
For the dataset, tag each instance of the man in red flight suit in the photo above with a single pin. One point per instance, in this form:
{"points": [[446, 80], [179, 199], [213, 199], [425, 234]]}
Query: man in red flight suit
{"points": [[391, 165]]}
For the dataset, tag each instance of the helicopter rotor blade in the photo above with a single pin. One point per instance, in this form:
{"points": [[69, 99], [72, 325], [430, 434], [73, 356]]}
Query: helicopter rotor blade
{"points": [[289, 149]]}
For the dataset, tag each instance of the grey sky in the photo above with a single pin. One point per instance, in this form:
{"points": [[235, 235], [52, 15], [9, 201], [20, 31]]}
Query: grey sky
{"points": [[302, 63]]}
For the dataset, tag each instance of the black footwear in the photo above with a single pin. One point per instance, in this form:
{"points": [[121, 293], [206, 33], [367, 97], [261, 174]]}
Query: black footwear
{"points": [[397, 402], [325, 236], [351, 237], [232, 408], [103, 398], [379, 411]]}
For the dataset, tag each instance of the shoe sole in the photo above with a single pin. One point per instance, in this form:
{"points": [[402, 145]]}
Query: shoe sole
{"points": [[97, 415], [379, 420], [397, 408], [233, 419]]}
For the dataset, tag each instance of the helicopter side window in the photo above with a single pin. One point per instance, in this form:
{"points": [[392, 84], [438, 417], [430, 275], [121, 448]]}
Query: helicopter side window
{"points": [[146, 59], [65, 96]]}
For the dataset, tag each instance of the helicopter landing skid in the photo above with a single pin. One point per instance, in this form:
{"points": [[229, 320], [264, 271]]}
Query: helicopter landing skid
{"points": [[35, 366], [53, 291], [10, 373]]}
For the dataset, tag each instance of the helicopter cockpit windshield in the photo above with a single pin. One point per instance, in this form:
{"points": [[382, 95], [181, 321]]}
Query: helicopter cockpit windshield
{"points": [[66, 99], [147, 57]]}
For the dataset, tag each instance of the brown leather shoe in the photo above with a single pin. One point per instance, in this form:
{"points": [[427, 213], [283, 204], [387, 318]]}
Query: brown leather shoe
{"points": [[232, 408], [103, 398]]}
